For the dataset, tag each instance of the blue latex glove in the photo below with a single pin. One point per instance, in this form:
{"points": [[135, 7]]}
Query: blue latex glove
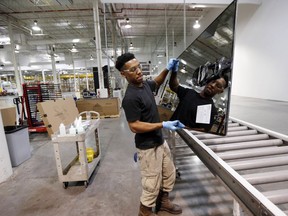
{"points": [[173, 125], [176, 66], [171, 64], [135, 157]]}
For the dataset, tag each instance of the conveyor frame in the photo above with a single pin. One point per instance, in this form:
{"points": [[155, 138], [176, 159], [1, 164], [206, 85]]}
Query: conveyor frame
{"points": [[242, 190]]}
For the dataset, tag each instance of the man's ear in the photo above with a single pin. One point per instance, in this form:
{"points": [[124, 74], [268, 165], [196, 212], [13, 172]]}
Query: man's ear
{"points": [[122, 73]]}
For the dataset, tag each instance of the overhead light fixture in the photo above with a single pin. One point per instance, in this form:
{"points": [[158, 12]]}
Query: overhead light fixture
{"points": [[183, 70], [197, 6], [91, 58], [75, 40], [16, 48], [73, 50], [127, 25], [196, 25], [131, 45], [35, 27]]}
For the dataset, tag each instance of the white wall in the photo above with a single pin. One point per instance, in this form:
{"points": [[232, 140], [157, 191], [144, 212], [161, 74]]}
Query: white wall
{"points": [[261, 51]]}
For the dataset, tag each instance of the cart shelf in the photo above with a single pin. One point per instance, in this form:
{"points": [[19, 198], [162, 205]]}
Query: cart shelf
{"points": [[78, 169]]}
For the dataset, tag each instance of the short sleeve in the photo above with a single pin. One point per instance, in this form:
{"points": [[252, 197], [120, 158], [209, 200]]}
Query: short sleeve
{"points": [[132, 109]]}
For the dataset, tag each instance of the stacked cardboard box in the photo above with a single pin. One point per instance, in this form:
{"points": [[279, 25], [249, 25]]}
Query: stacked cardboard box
{"points": [[8, 115], [106, 107], [58, 111]]}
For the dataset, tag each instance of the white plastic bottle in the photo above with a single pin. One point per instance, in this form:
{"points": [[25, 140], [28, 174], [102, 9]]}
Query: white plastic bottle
{"points": [[72, 130], [62, 129]]}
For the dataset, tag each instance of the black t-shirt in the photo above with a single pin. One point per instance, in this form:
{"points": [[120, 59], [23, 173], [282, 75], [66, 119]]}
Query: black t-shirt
{"points": [[139, 104], [186, 110]]}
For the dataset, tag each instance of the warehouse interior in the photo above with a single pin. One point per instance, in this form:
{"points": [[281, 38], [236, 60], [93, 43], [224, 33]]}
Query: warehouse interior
{"points": [[59, 63]]}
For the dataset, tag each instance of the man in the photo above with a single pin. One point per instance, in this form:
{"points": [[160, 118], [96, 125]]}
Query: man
{"points": [[197, 110], [156, 166]]}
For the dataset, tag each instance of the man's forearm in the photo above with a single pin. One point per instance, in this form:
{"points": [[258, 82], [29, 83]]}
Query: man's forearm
{"points": [[161, 77], [173, 82]]}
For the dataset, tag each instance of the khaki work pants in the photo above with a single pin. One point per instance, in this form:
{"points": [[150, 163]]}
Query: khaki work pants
{"points": [[157, 171]]}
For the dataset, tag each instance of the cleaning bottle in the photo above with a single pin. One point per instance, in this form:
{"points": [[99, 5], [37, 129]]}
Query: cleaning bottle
{"points": [[62, 129]]}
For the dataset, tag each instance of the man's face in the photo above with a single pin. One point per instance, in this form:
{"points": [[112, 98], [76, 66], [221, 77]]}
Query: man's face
{"points": [[132, 72], [214, 87]]}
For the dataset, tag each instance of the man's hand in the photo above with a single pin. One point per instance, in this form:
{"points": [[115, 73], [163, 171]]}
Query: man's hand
{"points": [[171, 64], [173, 125], [176, 66]]}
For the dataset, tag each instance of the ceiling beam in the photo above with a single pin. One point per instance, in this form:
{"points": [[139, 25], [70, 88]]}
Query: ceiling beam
{"points": [[209, 2]]}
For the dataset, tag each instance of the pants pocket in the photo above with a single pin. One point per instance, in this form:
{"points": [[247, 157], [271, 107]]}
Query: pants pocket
{"points": [[150, 183]]}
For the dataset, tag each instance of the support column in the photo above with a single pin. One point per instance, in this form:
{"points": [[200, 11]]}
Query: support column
{"points": [[87, 80], [101, 92], [184, 33], [74, 72], [15, 64], [43, 76], [55, 80]]}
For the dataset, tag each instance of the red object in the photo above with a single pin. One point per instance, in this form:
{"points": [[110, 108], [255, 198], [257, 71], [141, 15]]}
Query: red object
{"points": [[33, 94]]}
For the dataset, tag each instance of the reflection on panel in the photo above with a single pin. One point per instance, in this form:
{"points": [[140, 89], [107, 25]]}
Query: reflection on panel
{"points": [[206, 68]]}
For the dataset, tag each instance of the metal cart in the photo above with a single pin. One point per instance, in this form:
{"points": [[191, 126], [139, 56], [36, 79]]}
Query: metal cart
{"points": [[79, 169]]}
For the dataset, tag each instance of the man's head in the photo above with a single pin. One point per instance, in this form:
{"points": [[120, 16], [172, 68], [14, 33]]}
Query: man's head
{"points": [[215, 86], [130, 68]]}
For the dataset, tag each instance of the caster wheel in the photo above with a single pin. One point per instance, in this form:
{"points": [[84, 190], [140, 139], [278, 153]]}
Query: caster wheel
{"points": [[86, 183], [65, 185]]}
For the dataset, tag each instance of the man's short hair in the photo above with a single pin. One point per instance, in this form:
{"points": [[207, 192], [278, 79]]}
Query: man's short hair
{"points": [[225, 77], [121, 60]]}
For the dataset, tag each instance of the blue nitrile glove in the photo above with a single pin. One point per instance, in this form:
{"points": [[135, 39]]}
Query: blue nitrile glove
{"points": [[135, 157], [171, 63], [173, 125], [176, 66]]}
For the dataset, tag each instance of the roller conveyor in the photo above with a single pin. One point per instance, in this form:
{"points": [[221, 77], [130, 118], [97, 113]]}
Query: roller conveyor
{"points": [[252, 162]]}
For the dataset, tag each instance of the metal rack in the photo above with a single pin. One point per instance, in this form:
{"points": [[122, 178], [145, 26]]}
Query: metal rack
{"points": [[33, 94], [78, 169]]}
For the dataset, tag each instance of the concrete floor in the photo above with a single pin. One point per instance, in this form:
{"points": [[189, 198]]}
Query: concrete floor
{"points": [[114, 189]]}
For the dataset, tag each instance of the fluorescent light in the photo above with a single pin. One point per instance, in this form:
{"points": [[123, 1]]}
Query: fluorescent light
{"points": [[127, 26], [36, 27], [197, 6], [75, 40], [74, 50], [196, 25]]}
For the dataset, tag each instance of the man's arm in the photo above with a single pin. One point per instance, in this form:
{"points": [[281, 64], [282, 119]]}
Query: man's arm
{"points": [[161, 77], [143, 127], [173, 82]]}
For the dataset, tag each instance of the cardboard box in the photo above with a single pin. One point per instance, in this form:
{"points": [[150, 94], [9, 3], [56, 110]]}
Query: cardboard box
{"points": [[164, 113], [106, 107], [55, 112], [8, 115]]}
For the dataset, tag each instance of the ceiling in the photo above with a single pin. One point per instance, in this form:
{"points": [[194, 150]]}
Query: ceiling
{"points": [[64, 21]]}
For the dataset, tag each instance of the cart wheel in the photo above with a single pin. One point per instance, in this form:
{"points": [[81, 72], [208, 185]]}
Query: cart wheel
{"points": [[65, 185], [86, 183]]}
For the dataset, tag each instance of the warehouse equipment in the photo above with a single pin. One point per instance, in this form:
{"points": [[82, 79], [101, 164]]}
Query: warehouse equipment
{"points": [[78, 169], [33, 94], [250, 161]]}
